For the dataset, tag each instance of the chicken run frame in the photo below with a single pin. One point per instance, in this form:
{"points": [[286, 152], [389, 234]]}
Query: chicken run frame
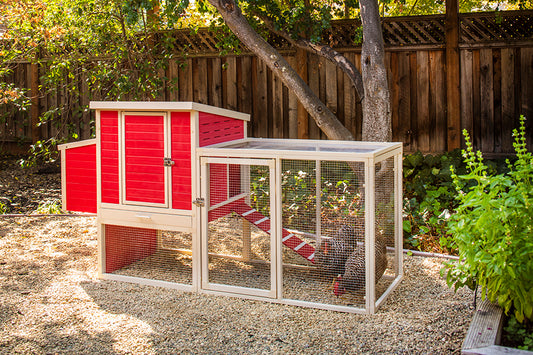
{"points": [[186, 200]]}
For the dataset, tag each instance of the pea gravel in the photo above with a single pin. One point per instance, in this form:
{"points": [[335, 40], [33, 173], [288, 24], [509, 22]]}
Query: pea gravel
{"points": [[52, 302]]}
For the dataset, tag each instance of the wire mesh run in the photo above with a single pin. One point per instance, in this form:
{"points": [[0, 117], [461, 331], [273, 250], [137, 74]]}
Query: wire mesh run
{"points": [[239, 230], [387, 263], [148, 253], [323, 203]]}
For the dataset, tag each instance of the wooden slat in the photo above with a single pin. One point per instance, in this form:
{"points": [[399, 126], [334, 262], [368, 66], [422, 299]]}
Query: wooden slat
{"points": [[526, 77], [200, 92], [215, 83], [413, 137], [467, 103], [303, 117], [185, 81], [475, 133], [277, 106], [172, 84], [485, 327], [497, 98], [245, 85], [487, 99], [404, 100], [438, 122], [349, 100], [230, 97], [258, 119], [507, 97], [423, 100], [314, 84]]}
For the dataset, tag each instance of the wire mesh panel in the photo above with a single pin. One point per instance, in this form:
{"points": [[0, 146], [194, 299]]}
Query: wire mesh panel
{"points": [[323, 203], [387, 268], [238, 240], [148, 253]]}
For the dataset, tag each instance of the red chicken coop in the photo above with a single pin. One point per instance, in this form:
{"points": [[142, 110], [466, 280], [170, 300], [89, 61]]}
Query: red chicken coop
{"points": [[186, 200]]}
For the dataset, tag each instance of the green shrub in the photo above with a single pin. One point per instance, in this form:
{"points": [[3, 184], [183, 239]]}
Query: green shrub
{"points": [[492, 228], [429, 198]]}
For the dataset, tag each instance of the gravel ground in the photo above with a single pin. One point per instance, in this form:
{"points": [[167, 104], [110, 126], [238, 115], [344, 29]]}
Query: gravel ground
{"points": [[52, 302]]}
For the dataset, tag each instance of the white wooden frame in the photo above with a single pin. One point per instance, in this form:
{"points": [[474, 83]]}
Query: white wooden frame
{"points": [[205, 284], [122, 159], [376, 153]]}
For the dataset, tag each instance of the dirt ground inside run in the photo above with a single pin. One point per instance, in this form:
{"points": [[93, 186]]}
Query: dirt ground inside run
{"points": [[52, 302]]}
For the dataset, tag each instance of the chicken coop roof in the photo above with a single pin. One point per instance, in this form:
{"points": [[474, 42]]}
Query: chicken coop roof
{"points": [[305, 149]]}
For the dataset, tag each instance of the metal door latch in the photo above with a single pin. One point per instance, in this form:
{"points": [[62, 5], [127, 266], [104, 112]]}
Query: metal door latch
{"points": [[168, 162], [200, 202]]}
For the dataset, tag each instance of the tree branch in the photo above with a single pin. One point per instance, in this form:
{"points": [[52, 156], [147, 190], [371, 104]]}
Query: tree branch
{"points": [[322, 50], [238, 24]]}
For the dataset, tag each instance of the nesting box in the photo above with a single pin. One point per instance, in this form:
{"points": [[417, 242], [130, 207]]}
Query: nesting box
{"points": [[186, 200]]}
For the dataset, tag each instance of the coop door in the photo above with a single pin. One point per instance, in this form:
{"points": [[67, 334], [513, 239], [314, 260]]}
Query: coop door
{"points": [[144, 151], [238, 224]]}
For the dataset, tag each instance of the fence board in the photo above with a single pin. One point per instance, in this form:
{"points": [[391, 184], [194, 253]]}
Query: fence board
{"points": [[467, 96], [423, 120], [486, 87], [508, 97]]}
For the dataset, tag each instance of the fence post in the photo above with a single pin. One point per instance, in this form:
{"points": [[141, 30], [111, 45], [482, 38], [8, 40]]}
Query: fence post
{"points": [[34, 97], [453, 75]]}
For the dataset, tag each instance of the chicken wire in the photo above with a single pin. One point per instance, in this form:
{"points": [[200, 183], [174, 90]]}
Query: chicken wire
{"points": [[385, 197], [322, 202], [148, 253], [238, 232]]}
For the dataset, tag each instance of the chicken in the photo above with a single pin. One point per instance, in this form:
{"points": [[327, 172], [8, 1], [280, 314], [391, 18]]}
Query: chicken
{"points": [[332, 253], [353, 278]]}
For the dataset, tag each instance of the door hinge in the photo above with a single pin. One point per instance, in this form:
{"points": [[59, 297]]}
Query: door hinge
{"points": [[200, 202], [168, 162]]}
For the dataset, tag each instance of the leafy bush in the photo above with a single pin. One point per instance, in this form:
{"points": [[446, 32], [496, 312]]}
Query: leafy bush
{"points": [[429, 198], [518, 335], [492, 229]]}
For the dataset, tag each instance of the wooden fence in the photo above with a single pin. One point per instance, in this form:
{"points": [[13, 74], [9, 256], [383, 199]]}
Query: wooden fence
{"points": [[496, 84]]}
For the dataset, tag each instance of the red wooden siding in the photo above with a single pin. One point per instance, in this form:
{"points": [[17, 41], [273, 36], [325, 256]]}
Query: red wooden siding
{"points": [[144, 143], [81, 179], [215, 129], [180, 127], [125, 245], [109, 156], [218, 183], [235, 179]]}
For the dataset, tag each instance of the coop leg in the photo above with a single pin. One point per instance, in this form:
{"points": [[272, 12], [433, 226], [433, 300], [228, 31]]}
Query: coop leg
{"points": [[246, 240]]}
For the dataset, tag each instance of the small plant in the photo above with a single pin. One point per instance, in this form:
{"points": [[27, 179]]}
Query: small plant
{"points": [[519, 335], [50, 207], [492, 229]]}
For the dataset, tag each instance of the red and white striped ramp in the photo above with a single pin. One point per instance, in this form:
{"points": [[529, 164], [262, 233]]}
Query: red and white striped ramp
{"points": [[288, 239]]}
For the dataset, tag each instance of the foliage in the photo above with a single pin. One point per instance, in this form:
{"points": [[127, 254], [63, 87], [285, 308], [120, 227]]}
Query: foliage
{"points": [[50, 207], [429, 198], [492, 229], [519, 335]]}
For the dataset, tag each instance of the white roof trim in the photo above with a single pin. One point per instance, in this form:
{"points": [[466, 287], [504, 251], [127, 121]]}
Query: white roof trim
{"points": [[166, 106]]}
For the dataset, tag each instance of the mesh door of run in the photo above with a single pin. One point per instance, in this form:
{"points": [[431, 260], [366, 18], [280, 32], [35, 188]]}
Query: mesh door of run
{"points": [[238, 243]]}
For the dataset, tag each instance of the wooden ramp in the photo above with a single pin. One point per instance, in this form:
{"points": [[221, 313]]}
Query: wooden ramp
{"points": [[288, 239]]}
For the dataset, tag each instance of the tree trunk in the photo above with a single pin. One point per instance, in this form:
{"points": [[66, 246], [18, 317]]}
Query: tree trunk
{"points": [[376, 103], [238, 24]]}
